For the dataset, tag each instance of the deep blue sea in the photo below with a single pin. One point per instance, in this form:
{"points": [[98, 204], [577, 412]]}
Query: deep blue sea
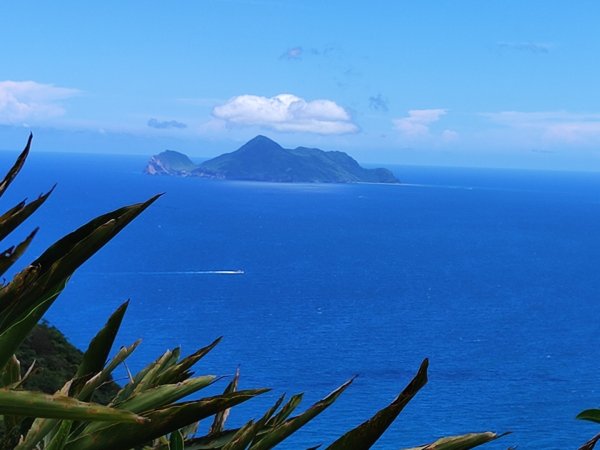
{"points": [[492, 274]]}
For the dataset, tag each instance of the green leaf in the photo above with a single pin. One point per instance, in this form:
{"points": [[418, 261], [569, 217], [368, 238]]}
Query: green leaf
{"points": [[167, 393], [59, 439], [82, 242], [14, 336], [220, 418], [97, 352], [366, 434], [245, 435], [590, 414], [290, 426], [589, 445], [160, 396], [176, 441], [12, 218], [94, 382], [12, 372], [211, 441], [149, 379], [286, 411], [161, 421], [181, 371], [57, 263], [14, 170], [37, 404], [463, 442], [42, 427], [11, 376], [269, 413], [10, 255]]}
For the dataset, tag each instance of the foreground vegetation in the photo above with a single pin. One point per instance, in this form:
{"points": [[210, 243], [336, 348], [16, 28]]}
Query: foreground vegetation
{"points": [[150, 411]]}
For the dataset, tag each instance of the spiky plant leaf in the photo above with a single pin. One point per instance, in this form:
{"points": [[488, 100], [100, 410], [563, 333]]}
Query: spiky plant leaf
{"points": [[148, 379], [39, 429], [162, 371], [286, 411], [366, 434], [12, 218], [12, 338], [57, 263], [219, 440], [245, 435], [211, 441], [14, 170], [12, 372], [128, 390], [9, 256], [290, 426], [167, 393], [176, 441], [59, 439], [220, 418], [161, 421], [590, 414], [462, 442], [159, 397], [42, 427], [97, 352], [269, 413], [37, 404], [111, 222], [589, 445], [101, 377], [181, 370], [11, 376]]}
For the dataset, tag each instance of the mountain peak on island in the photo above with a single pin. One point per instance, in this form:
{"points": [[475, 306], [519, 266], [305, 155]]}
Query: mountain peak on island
{"points": [[261, 144], [262, 159], [261, 139]]}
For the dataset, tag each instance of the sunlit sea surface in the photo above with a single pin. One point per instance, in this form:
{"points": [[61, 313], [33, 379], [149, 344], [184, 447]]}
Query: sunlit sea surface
{"points": [[492, 274]]}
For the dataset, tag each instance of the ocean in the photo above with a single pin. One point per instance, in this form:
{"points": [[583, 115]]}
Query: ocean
{"points": [[491, 274]]}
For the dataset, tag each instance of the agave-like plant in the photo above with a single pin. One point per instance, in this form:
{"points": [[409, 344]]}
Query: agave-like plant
{"points": [[150, 411], [593, 415]]}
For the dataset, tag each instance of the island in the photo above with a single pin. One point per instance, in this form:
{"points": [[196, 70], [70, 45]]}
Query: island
{"points": [[262, 159]]}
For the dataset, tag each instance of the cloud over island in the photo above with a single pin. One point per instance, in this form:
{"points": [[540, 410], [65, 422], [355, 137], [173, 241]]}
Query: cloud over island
{"points": [[286, 113]]}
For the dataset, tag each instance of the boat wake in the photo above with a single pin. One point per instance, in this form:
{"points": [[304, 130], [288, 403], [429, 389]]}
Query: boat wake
{"points": [[196, 272], [183, 272]]}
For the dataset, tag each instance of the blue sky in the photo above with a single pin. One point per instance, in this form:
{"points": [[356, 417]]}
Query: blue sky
{"points": [[472, 83]]}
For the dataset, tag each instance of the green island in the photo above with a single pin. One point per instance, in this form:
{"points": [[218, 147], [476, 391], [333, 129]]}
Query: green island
{"points": [[262, 159]]}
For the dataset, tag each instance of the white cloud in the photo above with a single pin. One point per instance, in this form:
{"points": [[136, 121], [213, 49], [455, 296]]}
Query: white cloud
{"points": [[292, 53], [418, 122], [559, 126], [450, 135], [28, 101], [287, 113]]}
